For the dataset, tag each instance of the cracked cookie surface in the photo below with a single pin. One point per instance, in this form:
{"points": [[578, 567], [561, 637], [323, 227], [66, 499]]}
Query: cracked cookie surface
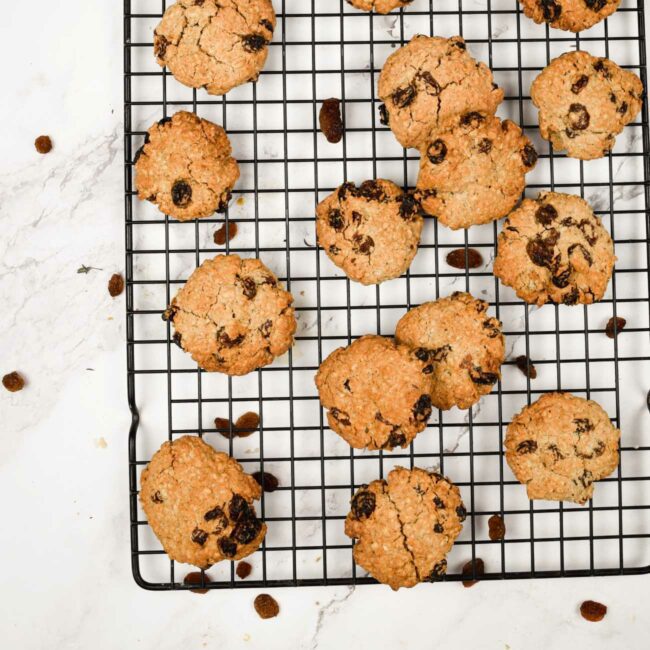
{"points": [[461, 345], [584, 102], [429, 83], [570, 15], [233, 316], [380, 6], [376, 393], [199, 503], [560, 445], [185, 167], [214, 44], [554, 248], [372, 231], [405, 526], [476, 172]]}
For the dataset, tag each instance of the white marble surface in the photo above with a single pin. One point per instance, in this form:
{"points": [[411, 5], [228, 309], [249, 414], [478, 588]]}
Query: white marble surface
{"points": [[64, 538]]}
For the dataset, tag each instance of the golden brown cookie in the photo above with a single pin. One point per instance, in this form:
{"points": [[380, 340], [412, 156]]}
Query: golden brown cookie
{"points": [[199, 503], [380, 6], [405, 526], [215, 44], [555, 249], [376, 393], [233, 316], [463, 348], [560, 445], [571, 15], [584, 102], [428, 84], [476, 172], [185, 167], [372, 231]]}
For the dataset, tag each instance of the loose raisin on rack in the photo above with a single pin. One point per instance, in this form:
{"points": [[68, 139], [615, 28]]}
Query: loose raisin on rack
{"points": [[196, 578], [224, 427], [267, 481], [115, 285], [465, 258], [331, 121], [181, 194], [526, 366], [43, 144], [496, 528], [593, 611], [473, 570], [247, 423], [363, 504], [13, 382], [266, 606], [615, 326], [254, 43], [243, 570], [227, 232]]}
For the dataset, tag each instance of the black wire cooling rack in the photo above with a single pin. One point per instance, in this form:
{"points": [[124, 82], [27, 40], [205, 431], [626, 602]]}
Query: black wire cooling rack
{"points": [[321, 49]]}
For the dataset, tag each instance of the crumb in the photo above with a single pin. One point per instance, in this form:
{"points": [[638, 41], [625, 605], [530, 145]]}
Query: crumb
{"points": [[266, 606], [497, 528], [593, 611], [241, 200], [101, 443], [243, 570], [13, 382], [247, 637], [43, 144], [116, 285]]}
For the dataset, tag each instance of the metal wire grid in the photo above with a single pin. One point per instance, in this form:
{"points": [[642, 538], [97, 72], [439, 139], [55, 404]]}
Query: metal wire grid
{"points": [[323, 48]]}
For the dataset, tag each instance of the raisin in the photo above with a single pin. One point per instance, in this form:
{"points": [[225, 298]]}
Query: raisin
{"points": [[422, 409], [550, 9], [493, 327], [226, 233], [593, 611], [346, 385], [138, 153], [160, 46], [177, 339], [485, 145], [223, 206], [43, 144], [199, 536], [437, 152], [546, 214], [197, 578], [239, 508], [243, 570], [265, 328], [472, 571], [246, 531], [164, 120], [526, 366], [439, 503], [254, 42], [526, 447], [465, 259], [227, 546], [335, 220], [600, 66], [529, 156], [331, 122], [583, 425], [13, 382], [579, 117], [431, 85], [409, 207], [557, 454], [267, 481], [496, 528], [484, 378], [438, 572], [363, 504], [540, 252], [363, 244], [595, 5], [622, 109], [247, 423], [219, 517], [438, 528], [156, 497], [461, 513], [181, 194], [383, 115], [248, 287], [267, 23], [340, 416], [370, 190], [471, 119], [615, 326], [224, 427], [396, 439], [116, 285], [404, 97], [572, 297], [580, 84], [266, 606]]}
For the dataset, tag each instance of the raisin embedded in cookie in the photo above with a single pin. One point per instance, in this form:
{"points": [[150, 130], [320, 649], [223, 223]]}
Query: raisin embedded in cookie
{"points": [[570, 15], [476, 172], [584, 102], [555, 249], [560, 445], [214, 44], [380, 6], [199, 503], [427, 84], [372, 231], [405, 526], [233, 316], [462, 348], [185, 167], [376, 392]]}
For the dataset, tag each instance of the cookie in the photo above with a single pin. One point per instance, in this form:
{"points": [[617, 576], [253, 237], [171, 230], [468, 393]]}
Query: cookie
{"points": [[215, 45], [476, 172], [232, 316], [570, 15], [462, 348], [429, 83], [584, 102], [376, 393], [404, 526], [185, 167], [380, 6], [199, 503], [560, 446], [555, 249], [372, 231]]}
